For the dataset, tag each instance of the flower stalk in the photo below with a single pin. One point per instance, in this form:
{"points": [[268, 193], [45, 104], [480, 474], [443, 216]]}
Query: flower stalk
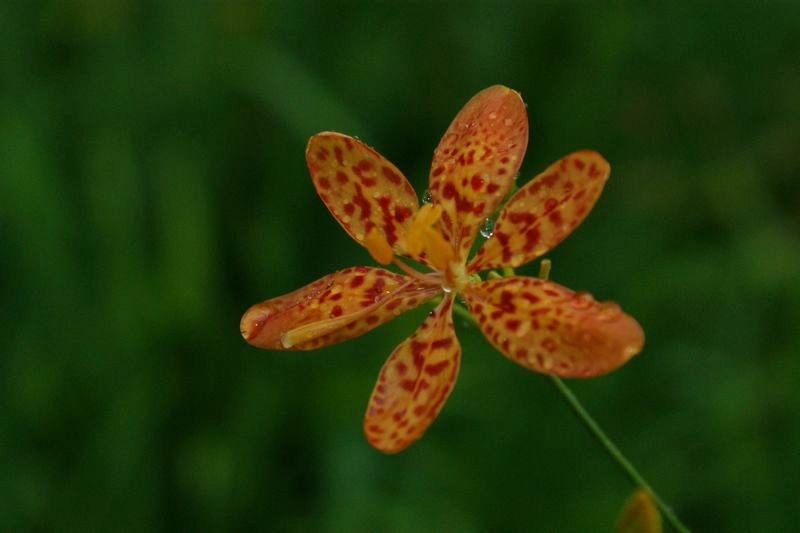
{"points": [[590, 423], [615, 453]]}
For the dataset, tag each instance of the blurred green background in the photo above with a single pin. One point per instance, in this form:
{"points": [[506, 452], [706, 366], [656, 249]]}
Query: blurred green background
{"points": [[153, 186]]}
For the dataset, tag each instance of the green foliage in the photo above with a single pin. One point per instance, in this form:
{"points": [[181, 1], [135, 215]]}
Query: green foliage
{"points": [[153, 185]]}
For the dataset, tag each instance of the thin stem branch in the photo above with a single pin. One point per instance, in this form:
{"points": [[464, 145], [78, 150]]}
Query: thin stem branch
{"points": [[463, 313], [615, 452], [592, 425]]}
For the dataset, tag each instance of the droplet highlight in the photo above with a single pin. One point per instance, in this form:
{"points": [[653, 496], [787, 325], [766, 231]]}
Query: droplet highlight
{"points": [[487, 228]]}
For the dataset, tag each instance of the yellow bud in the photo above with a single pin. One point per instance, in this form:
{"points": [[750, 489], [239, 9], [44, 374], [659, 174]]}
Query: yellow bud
{"points": [[639, 515]]}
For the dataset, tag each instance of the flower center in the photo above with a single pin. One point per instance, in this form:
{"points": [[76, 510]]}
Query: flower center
{"points": [[423, 236]]}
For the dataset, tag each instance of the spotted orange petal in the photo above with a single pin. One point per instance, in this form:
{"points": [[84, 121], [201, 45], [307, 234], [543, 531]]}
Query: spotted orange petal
{"points": [[551, 329], [332, 309], [544, 211], [414, 383], [476, 161], [361, 188]]}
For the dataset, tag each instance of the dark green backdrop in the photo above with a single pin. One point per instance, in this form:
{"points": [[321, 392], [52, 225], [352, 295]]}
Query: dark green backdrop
{"points": [[153, 185]]}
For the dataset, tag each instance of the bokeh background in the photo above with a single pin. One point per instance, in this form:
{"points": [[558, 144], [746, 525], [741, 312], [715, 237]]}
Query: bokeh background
{"points": [[153, 186]]}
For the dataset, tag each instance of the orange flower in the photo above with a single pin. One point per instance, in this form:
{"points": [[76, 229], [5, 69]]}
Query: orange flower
{"points": [[538, 324]]}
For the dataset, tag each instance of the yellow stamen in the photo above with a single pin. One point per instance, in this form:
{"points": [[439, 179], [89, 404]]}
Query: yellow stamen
{"points": [[319, 328], [544, 269], [427, 216], [433, 214], [422, 235], [378, 246], [440, 253], [315, 329], [414, 236], [457, 276], [428, 279]]}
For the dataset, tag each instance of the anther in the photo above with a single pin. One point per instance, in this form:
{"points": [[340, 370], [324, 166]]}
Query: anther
{"points": [[440, 253], [423, 236], [544, 269], [378, 246]]}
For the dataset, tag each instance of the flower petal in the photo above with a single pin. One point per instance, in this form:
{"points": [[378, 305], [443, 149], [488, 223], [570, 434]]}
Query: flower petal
{"points": [[332, 309], [551, 329], [360, 187], [476, 161], [544, 211], [414, 383]]}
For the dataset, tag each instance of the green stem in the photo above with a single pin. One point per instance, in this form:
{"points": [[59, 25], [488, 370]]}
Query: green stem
{"points": [[463, 313], [615, 452], [592, 425]]}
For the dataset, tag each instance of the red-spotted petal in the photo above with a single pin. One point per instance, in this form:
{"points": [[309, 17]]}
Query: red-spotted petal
{"points": [[335, 308], [360, 187], [551, 329], [544, 211], [414, 383], [476, 160]]}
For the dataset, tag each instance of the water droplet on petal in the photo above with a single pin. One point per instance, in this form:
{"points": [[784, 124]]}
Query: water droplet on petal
{"points": [[447, 290], [426, 197], [487, 228]]}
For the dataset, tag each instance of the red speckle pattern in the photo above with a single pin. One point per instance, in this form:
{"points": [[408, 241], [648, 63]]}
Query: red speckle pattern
{"points": [[543, 212], [538, 324], [360, 187], [366, 297], [551, 329], [414, 383], [475, 163]]}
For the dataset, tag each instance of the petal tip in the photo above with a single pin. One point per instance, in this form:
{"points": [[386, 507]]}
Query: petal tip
{"points": [[501, 89], [386, 447], [321, 135], [636, 344], [252, 323]]}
